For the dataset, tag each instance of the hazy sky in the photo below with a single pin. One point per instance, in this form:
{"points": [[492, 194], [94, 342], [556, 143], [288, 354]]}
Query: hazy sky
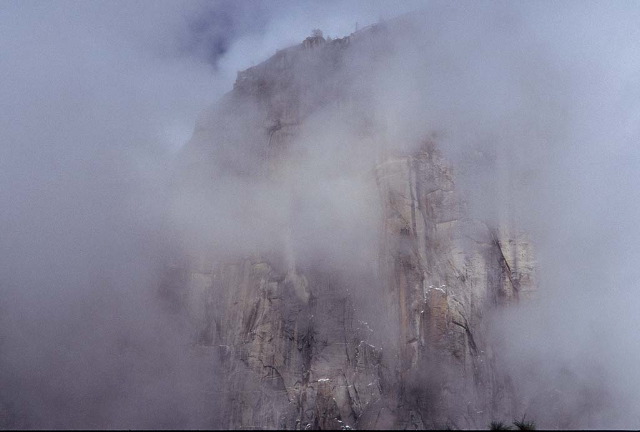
{"points": [[96, 97]]}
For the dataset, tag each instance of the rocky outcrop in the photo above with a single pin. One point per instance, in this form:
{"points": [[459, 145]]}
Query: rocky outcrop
{"points": [[445, 271], [307, 341], [293, 358]]}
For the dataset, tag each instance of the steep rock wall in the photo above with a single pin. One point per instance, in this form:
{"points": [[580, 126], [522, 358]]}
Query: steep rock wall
{"points": [[288, 325]]}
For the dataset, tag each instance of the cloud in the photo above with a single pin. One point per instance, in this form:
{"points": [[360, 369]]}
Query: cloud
{"points": [[97, 98]]}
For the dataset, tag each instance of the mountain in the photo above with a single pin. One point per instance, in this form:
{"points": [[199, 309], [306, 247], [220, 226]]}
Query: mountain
{"points": [[329, 257]]}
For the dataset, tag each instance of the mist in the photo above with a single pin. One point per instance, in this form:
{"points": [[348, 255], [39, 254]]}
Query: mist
{"points": [[534, 104]]}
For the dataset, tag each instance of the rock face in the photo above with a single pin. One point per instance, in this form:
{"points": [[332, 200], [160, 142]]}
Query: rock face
{"points": [[358, 305]]}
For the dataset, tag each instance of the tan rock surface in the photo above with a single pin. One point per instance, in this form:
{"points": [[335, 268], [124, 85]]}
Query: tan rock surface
{"points": [[287, 324]]}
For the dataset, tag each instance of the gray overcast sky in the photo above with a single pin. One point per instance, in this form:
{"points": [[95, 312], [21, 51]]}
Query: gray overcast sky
{"points": [[95, 98], [166, 59]]}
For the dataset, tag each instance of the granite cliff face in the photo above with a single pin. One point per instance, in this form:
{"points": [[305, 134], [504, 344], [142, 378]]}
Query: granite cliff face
{"points": [[336, 272]]}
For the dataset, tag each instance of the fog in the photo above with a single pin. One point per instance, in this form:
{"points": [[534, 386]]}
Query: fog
{"points": [[98, 100]]}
